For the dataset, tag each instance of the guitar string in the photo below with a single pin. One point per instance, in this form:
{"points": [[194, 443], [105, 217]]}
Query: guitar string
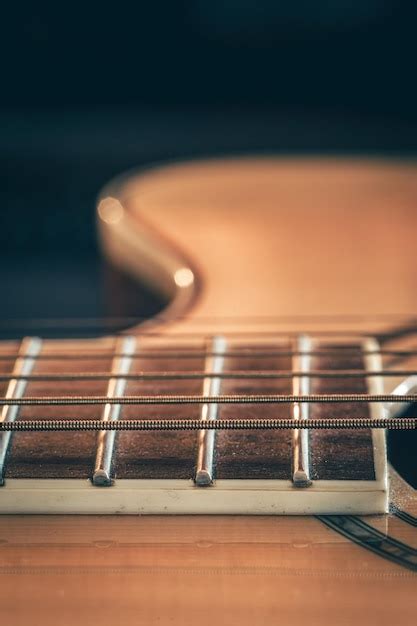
{"points": [[173, 424], [201, 375], [182, 399]]}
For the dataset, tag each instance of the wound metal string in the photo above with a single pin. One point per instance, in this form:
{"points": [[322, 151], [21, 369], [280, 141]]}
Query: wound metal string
{"points": [[196, 399], [40, 425]]}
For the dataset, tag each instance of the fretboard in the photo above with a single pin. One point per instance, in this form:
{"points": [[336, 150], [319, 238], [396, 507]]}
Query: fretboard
{"points": [[194, 380]]}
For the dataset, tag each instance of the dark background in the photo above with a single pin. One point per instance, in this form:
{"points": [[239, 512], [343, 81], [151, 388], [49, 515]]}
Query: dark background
{"points": [[88, 91]]}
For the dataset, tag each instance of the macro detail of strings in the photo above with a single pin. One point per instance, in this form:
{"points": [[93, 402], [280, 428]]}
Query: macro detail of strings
{"points": [[165, 389], [256, 377], [83, 363]]}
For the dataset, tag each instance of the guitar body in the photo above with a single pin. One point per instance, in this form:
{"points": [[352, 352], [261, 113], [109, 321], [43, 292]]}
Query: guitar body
{"points": [[242, 246]]}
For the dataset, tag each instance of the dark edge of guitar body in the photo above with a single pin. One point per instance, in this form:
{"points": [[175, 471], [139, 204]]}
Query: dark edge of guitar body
{"points": [[370, 538]]}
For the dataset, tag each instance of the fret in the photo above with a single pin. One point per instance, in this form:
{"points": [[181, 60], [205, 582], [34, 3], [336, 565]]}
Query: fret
{"points": [[376, 411], [204, 473], [301, 362], [116, 387], [24, 364]]}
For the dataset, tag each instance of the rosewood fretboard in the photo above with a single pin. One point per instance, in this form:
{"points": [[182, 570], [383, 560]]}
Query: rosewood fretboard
{"points": [[208, 366]]}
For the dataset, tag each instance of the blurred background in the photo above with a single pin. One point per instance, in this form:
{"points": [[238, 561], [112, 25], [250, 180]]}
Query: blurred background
{"points": [[88, 91]]}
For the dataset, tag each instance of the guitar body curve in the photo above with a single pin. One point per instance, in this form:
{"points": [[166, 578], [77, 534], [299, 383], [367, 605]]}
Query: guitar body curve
{"points": [[269, 237]]}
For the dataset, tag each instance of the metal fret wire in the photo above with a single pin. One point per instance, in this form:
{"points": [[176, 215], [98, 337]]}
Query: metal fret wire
{"points": [[40, 425], [195, 399], [197, 375]]}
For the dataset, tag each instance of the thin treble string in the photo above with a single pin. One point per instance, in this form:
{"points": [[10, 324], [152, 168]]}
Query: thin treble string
{"points": [[200, 375]]}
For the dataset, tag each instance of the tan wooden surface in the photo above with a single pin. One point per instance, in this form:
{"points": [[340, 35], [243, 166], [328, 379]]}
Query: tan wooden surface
{"points": [[263, 238], [276, 237]]}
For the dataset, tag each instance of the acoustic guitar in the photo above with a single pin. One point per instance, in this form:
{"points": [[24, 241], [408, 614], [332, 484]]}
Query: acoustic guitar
{"points": [[248, 456]]}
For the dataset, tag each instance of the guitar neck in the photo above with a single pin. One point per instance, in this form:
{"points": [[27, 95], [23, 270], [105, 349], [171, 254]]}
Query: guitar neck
{"points": [[221, 378]]}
